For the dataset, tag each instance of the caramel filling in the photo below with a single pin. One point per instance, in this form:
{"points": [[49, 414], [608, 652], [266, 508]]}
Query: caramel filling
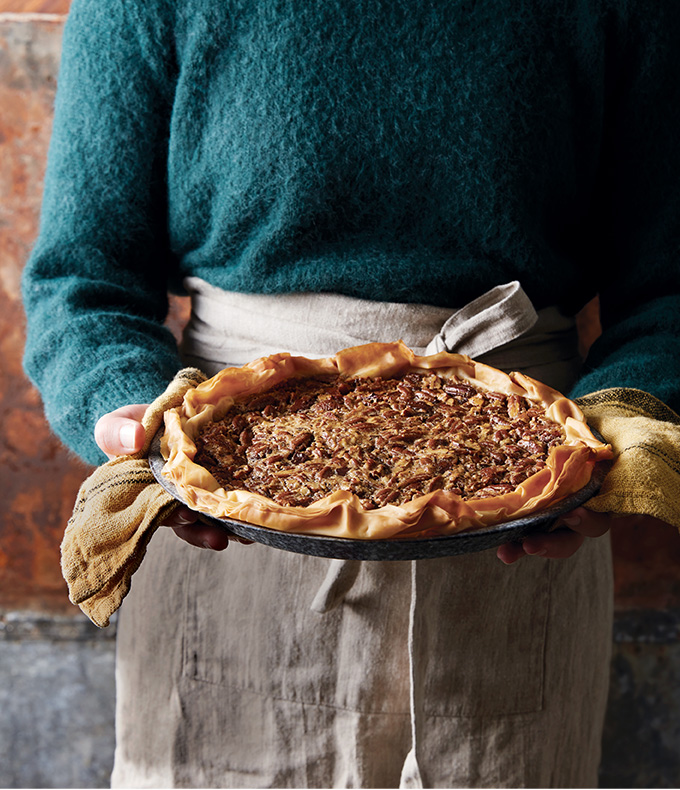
{"points": [[386, 440]]}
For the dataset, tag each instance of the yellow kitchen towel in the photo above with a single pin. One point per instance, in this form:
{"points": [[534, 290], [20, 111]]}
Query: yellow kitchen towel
{"points": [[117, 510], [645, 436]]}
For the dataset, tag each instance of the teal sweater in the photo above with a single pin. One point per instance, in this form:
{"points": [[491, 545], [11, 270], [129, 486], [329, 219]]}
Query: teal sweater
{"points": [[395, 150]]}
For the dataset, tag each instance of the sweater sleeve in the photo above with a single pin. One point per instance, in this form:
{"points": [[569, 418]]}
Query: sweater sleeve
{"points": [[639, 206], [95, 286]]}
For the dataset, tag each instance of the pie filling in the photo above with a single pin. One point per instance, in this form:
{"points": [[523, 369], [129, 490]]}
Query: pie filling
{"points": [[386, 440]]}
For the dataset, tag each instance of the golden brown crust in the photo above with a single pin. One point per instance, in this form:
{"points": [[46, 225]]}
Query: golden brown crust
{"points": [[341, 513]]}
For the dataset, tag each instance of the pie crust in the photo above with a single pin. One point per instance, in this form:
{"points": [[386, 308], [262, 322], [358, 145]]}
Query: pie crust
{"points": [[565, 467]]}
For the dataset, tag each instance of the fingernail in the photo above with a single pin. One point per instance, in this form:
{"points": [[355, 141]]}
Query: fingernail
{"points": [[127, 437], [206, 545], [572, 521]]}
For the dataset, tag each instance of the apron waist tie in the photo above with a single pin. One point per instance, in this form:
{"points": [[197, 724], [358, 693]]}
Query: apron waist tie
{"points": [[493, 319], [339, 580]]}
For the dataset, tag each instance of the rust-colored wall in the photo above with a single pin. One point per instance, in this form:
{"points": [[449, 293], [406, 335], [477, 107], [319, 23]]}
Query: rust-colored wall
{"points": [[35, 6], [646, 562], [38, 478]]}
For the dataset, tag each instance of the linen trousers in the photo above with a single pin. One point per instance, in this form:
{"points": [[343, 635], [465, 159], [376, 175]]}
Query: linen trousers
{"points": [[228, 676]]}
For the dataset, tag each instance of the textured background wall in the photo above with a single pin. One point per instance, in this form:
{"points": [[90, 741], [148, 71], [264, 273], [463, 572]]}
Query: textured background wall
{"points": [[53, 665], [36, 475]]}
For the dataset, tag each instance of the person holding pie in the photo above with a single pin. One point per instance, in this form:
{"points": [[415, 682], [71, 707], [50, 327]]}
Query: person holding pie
{"points": [[315, 177]]}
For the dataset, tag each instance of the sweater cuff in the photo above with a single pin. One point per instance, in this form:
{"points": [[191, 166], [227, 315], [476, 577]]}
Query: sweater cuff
{"points": [[101, 390]]}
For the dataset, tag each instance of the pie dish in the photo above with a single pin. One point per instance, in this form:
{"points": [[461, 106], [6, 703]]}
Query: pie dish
{"points": [[379, 387]]}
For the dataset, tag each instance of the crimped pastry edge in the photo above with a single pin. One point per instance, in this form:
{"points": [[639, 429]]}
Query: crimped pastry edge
{"points": [[569, 466]]}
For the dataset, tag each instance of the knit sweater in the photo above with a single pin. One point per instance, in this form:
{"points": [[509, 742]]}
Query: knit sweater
{"points": [[394, 150]]}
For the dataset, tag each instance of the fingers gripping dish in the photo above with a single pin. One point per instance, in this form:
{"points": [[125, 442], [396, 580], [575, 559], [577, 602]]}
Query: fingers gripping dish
{"points": [[376, 443]]}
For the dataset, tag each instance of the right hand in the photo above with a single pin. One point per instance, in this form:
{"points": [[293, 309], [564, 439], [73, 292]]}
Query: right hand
{"points": [[121, 432]]}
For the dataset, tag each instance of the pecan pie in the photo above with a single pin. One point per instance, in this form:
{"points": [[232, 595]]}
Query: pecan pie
{"points": [[376, 442]]}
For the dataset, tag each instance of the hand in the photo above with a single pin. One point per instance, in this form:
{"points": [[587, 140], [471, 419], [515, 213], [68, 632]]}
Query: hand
{"points": [[568, 536], [188, 526], [121, 432]]}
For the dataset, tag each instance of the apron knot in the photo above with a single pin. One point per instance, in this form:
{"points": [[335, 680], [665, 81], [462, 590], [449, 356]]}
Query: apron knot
{"points": [[492, 320]]}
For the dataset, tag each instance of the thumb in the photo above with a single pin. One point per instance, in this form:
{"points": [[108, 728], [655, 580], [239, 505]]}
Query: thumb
{"points": [[120, 432]]}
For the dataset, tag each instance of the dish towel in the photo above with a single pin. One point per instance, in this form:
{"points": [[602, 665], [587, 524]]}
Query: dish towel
{"points": [[645, 436], [117, 510]]}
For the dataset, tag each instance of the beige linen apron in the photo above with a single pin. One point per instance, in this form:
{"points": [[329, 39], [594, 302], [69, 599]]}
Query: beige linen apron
{"points": [[255, 667]]}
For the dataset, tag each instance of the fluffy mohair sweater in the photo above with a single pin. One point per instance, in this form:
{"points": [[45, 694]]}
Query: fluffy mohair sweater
{"points": [[387, 149]]}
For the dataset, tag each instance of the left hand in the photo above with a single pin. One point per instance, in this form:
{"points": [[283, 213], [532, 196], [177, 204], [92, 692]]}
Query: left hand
{"points": [[567, 537], [189, 527]]}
